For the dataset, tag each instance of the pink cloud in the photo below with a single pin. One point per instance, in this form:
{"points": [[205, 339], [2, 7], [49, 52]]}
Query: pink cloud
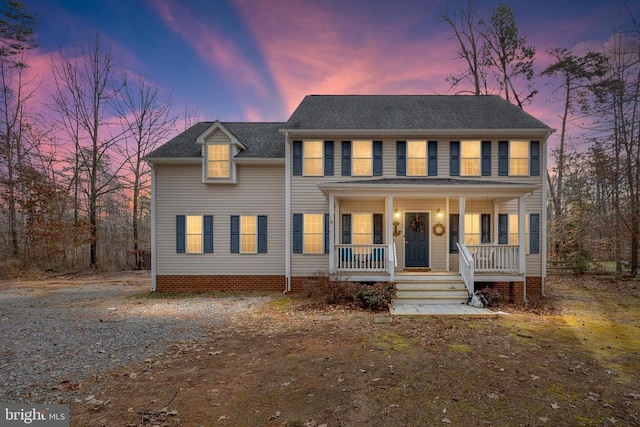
{"points": [[214, 49], [311, 48]]}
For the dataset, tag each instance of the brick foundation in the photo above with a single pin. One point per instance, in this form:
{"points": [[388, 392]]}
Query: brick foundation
{"points": [[188, 283], [513, 292]]}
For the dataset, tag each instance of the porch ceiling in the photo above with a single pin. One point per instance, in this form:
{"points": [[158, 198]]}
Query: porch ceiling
{"points": [[421, 187]]}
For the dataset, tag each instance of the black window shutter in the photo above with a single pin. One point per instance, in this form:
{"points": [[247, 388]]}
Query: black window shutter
{"points": [[534, 158], [208, 234], [534, 233], [377, 158], [378, 229], [485, 228], [326, 233], [181, 234], [454, 227], [297, 233], [401, 158], [503, 158], [432, 158], [262, 234], [346, 229], [503, 229], [328, 158], [297, 157], [486, 158], [235, 234], [454, 158], [346, 158]]}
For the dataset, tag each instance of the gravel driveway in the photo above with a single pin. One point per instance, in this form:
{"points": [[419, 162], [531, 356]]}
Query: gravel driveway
{"points": [[58, 332]]}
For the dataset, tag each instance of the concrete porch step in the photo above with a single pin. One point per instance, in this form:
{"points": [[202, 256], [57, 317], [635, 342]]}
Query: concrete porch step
{"points": [[440, 310]]}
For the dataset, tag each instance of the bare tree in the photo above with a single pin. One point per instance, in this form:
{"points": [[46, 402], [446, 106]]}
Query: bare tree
{"points": [[507, 53], [17, 37], [576, 75], [85, 89], [465, 31], [146, 116]]}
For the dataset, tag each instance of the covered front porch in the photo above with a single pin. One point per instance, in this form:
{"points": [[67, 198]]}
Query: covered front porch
{"points": [[422, 227]]}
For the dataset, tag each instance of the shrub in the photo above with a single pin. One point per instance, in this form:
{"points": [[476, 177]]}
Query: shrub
{"points": [[327, 289], [378, 296]]}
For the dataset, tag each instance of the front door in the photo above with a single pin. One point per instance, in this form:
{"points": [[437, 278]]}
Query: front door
{"points": [[416, 239]]}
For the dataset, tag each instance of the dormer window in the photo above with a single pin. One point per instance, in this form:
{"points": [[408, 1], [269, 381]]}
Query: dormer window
{"points": [[218, 161], [219, 150]]}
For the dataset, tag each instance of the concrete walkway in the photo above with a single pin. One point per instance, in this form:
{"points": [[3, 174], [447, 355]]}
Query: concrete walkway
{"points": [[440, 310]]}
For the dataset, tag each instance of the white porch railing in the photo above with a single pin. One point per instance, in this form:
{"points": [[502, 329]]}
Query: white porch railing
{"points": [[466, 267], [495, 258], [361, 257]]}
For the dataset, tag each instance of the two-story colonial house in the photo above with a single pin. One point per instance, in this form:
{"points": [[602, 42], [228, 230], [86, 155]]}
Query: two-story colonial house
{"points": [[405, 188]]}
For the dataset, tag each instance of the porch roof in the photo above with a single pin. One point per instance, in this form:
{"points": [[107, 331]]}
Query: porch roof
{"points": [[428, 186]]}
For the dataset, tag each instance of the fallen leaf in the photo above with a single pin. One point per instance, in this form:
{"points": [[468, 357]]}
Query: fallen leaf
{"points": [[446, 421], [543, 419], [555, 406]]}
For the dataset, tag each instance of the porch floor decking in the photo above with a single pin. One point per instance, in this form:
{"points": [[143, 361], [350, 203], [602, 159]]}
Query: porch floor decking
{"points": [[440, 310]]}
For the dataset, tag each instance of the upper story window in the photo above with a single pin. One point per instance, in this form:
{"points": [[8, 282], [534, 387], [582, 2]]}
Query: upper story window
{"points": [[218, 161], [416, 158], [519, 158], [312, 158], [362, 158], [313, 233], [470, 158]]}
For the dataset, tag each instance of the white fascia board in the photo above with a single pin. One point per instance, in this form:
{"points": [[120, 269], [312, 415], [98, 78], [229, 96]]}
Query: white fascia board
{"points": [[258, 160], [381, 190], [456, 133], [174, 160], [215, 126]]}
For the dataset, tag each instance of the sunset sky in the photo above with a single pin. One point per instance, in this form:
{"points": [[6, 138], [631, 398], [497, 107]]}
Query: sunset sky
{"points": [[238, 60]]}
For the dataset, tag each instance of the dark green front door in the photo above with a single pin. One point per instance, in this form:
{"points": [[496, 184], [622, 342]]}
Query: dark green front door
{"points": [[416, 237]]}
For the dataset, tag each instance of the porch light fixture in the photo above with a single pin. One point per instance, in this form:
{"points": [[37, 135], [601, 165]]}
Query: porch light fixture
{"points": [[439, 214], [396, 223]]}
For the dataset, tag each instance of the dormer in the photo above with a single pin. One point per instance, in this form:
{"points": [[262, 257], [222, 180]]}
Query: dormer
{"points": [[219, 148]]}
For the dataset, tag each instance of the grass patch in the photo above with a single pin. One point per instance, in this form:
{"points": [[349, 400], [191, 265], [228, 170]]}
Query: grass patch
{"points": [[392, 341], [460, 348]]}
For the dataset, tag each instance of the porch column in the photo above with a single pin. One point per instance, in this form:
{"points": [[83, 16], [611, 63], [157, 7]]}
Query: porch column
{"points": [[496, 223], [521, 235], [447, 249], [463, 209], [388, 201], [332, 209]]}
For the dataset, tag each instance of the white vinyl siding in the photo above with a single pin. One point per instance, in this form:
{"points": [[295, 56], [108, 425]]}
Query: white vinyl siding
{"points": [[180, 187]]}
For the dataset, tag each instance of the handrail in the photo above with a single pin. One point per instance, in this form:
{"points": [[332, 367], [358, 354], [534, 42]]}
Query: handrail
{"points": [[360, 257], [466, 267]]}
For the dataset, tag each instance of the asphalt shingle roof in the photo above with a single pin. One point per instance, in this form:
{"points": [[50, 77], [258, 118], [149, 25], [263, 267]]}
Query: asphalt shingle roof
{"points": [[411, 112], [263, 140]]}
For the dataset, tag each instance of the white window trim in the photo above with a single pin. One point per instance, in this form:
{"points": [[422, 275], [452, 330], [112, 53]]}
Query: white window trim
{"points": [[353, 157], [528, 158], [479, 158], [425, 158], [304, 233], [255, 217], [304, 142], [186, 235]]}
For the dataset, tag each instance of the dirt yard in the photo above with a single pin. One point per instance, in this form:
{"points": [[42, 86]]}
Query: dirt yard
{"points": [[570, 360]]}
